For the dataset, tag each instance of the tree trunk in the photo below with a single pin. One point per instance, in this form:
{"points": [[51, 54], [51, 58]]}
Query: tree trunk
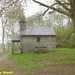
{"points": [[72, 3], [8, 46], [3, 45], [73, 20]]}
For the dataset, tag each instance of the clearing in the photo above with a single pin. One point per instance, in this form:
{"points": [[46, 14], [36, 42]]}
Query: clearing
{"points": [[59, 62]]}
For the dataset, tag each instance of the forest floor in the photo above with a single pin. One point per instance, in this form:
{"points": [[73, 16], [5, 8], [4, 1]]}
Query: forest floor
{"points": [[6, 65]]}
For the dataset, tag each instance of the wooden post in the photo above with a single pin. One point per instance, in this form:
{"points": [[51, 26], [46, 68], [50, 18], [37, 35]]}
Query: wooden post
{"points": [[13, 47]]}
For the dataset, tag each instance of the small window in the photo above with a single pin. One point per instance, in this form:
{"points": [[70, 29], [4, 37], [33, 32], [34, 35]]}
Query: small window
{"points": [[38, 39]]}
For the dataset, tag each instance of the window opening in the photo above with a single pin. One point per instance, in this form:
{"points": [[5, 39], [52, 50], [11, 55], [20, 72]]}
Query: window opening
{"points": [[38, 39]]}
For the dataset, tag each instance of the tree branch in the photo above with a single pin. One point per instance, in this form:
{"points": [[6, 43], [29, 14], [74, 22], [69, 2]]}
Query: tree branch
{"points": [[45, 12], [51, 12], [62, 5], [14, 2], [54, 4], [53, 8]]}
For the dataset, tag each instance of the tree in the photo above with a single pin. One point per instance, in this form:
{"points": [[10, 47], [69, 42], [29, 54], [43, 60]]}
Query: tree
{"points": [[10, 13], [35, 20], [3, 20], [66, 7]]}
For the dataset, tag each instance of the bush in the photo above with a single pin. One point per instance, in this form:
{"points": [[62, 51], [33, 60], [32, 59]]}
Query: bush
{"points": [[72, 41]]}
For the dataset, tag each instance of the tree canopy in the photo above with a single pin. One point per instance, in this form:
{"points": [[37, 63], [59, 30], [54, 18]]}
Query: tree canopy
{"points": [[66, 7]]}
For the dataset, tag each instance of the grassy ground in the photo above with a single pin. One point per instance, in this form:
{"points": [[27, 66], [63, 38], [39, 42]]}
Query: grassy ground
{"points": [[6, 52], [63, 57]]}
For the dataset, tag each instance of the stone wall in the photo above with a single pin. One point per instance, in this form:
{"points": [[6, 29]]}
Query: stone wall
{"points": [[29, 43]]}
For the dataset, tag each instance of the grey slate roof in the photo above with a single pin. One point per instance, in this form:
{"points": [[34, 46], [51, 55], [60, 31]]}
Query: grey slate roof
{"points": [[37, 30], [33, 30], [16, 38]]}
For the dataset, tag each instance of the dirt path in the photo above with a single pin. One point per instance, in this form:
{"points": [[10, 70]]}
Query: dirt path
{"points": [[8, 66], [3, 57]]}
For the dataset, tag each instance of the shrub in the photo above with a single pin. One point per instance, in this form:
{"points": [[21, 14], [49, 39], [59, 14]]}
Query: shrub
{"points": [[72, 41]]}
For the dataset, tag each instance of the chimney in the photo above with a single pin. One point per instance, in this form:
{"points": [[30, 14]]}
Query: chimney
{"points": [[22, 20], [22, 24]]}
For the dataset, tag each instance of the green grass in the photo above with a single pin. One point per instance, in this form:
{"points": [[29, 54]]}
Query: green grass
{"points": [[31, 61], [6, 52]]}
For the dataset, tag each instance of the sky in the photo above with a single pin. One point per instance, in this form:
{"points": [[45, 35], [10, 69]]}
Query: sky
{"points": [[31, 9]]}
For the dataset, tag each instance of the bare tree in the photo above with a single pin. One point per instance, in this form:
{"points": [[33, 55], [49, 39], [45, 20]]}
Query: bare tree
{"points": [[4, 21], [10, 11]]}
